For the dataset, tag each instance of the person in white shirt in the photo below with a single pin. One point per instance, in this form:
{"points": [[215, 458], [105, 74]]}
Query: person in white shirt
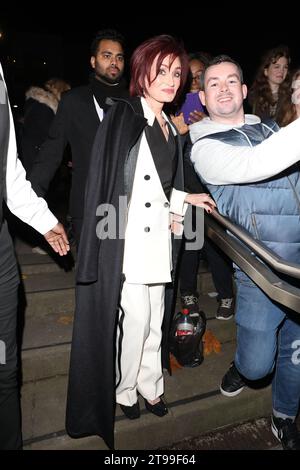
{"points": [[16, 191], [249, 167]]}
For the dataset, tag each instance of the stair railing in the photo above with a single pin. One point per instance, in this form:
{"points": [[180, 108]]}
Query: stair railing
{"points": [[256, 260]]}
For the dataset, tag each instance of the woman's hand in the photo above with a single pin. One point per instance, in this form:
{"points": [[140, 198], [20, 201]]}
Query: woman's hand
{"points": [[201, 200], [176, 224]]}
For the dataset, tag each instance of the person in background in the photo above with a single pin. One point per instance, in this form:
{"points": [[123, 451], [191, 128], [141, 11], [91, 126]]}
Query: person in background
{"points": [[79, 114], [124, 279], [271, 83], [40, 108], [16, 191], [243, 162], [290, 109], [39, 111], [220, 265], [192, 108]]}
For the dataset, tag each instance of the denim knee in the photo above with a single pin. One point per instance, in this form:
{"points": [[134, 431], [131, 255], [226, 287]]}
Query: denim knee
{"points": [[256, 351], [254, 371]]}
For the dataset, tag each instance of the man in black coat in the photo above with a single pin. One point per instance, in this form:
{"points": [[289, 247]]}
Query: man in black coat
{"points": [[78, 116]]}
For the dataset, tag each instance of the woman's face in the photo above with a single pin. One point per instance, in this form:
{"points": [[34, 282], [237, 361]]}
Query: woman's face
{"points": [[277, 71], [163, 87]]}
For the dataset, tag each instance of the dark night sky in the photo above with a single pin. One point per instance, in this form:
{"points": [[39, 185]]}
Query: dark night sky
{"points": [[65, 37]]}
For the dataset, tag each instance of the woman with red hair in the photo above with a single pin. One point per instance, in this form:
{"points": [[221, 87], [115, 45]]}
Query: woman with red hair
{"points": [[125, 263]]}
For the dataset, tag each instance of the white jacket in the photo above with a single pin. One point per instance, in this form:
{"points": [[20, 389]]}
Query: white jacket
{"points": [[148, 250]]}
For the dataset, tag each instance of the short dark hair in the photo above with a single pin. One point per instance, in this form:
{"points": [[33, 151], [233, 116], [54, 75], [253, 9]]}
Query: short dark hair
{"points": [[109, 34], [219, 59], [202, 56], [143, 58]]}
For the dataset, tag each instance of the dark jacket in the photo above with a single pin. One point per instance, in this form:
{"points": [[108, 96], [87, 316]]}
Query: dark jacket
{"points": [[91, 392], [76, 123], [39, 112]]}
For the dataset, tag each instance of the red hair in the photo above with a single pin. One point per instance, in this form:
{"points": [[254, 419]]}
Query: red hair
{"points": [[144, 56]]}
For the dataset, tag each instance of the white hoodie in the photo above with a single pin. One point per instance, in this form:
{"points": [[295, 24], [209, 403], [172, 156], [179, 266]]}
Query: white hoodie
{"points": [[220, 163]]}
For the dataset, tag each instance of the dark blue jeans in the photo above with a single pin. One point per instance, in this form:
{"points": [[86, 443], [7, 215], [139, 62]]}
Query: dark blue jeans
{"points": [[268, 338], [10, 422]]}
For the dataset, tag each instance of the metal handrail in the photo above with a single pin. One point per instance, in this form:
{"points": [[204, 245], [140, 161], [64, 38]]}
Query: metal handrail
{"points": [[276, 288], [267, 255]]}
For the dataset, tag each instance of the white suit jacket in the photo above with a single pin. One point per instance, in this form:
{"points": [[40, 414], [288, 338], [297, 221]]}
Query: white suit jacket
{"points": [[148, 249]]}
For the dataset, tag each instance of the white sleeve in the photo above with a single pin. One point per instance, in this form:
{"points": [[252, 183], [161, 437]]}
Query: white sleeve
{"points": [[177, 204], [20, 197], [220, 163]]}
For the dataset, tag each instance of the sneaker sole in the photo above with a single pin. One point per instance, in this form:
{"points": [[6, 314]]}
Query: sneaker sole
{"points": [[274, 431], [224, 318], [231, 394]]}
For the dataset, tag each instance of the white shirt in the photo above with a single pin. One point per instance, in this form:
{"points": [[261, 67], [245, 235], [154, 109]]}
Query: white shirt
{"points": [[20, 197]]}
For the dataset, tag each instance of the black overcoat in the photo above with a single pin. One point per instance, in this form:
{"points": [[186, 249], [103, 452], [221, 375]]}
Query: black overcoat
{"points": [[76, 123], [91, 391]]}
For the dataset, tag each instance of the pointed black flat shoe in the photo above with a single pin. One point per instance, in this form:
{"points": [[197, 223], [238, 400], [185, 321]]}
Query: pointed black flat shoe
{"points": [[131, 412], [159, 409]]}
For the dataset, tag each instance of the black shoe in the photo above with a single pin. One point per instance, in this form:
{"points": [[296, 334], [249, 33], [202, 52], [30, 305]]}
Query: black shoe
{"points": [[159, 409], [131, 412], [191, 302], [286, 431], [232, 382], [226, 309]]}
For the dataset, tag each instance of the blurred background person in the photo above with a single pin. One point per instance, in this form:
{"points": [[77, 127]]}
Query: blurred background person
{"points": [[290, 108], [271, 83], [40, 108], [41, 105]]}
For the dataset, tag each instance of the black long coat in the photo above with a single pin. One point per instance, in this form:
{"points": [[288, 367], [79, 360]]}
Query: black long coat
{"points": [[76, 123], [91, 392], [38, 116]]}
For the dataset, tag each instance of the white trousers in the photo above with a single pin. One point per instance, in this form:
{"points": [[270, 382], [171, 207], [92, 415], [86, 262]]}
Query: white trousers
{"points": [[139, 367]]}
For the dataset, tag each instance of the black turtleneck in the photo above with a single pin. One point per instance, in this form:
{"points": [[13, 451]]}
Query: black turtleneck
{"points": [[102, 91]]}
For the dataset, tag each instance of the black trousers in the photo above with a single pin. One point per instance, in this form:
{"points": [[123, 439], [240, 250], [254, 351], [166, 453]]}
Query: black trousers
{"points": [[220, 265], [10, 416]]}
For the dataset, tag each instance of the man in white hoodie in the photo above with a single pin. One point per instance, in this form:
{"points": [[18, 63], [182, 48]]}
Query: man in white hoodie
{"points": [[248, 166], [16, 191]]}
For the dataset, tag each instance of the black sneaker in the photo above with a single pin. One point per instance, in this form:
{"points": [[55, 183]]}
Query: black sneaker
{"points": [[226, 309], [191, 302], [232, 383], [286, 431]]}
